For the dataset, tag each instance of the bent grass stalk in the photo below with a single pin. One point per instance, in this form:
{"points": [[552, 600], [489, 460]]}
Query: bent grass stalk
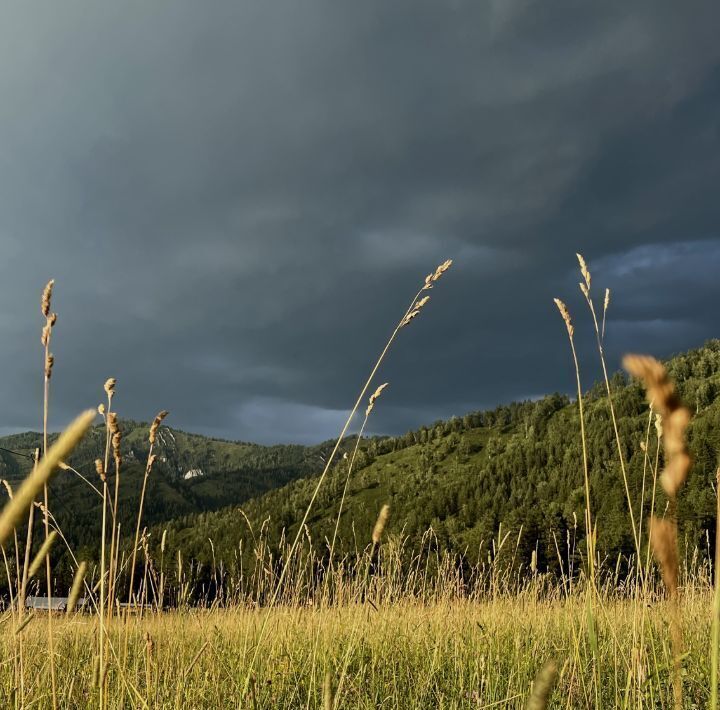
{"points": [[77, 585], [599, 335], [148, 468], [411, 312], [32, 485], [589, 530], [663, 532], [371, 404], [102, 468], [50, 320], [41, 555]]}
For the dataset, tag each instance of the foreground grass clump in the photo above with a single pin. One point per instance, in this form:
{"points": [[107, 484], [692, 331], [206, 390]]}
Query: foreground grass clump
{"points": [[445, 655]]}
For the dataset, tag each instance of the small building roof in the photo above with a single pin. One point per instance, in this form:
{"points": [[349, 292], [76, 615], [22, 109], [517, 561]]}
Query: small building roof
{"points": [[55, 603]]}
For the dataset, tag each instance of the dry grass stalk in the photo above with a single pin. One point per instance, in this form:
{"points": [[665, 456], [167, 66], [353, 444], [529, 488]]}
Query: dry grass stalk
{"points": [[148, 468], [431, 278], [429, 282], [373, 398], [565, 316], [542, 686], [49, 362], [328, 695], [41, 554], [584, 270], [33, 484], [675, 418], [109, 386], [663, 540], [46, 298], [380, 524], [24, 623], [371, 404], [606, 305], [116, 443], [599, 335], [156, 425], [662, 395], [110, 428], [77, 584], [415, 311]]}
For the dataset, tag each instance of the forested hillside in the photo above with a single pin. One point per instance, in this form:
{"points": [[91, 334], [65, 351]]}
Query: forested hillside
{"points": [[516, 469], [192, 473], [518, 466]]}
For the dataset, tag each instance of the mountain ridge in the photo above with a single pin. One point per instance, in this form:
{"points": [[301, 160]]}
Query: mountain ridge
{"points": [[517, 465]]}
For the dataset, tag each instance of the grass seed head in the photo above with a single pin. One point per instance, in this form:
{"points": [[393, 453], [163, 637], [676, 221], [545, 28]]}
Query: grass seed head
{"points": [[584, 271], [380, 524], [413, 313], [663, 540], [109, 386], [430, 279], [156, 425], [33, 484], [116, 441], [662, 396], [46, 299], [41, 554], [49, 362], [565, 316], [373, 398], [542, 686], [76, 587]]}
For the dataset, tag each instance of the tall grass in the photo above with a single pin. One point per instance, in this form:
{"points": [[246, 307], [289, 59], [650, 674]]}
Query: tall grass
{"points": [[385, 624]]}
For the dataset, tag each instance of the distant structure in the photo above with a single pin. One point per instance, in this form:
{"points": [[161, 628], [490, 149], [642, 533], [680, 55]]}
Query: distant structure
{"points": [[193, 473], [54, 604], [58, 604]]}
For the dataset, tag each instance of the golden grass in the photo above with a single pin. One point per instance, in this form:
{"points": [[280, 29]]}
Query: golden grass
{"points": [[449, 654], [385, 627]]}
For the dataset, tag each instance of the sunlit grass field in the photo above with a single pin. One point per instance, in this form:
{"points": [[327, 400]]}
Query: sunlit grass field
{"points": [[381, 627], [448, 654]]}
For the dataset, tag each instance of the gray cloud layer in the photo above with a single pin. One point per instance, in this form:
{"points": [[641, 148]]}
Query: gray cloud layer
{"points": [[237, 199]]}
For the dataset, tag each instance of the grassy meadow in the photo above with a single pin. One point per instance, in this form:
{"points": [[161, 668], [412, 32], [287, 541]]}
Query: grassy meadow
{"points": [[444, 654], [388, 624]]}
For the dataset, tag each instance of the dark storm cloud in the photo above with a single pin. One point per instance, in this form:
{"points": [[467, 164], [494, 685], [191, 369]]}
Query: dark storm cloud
{"points": [[237, 200]]}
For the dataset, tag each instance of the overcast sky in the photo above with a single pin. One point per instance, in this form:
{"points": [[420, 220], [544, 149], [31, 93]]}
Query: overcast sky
{"points": [[237, 200]]}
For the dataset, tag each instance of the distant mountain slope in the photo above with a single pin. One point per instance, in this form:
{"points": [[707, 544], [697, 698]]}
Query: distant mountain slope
{"points": [[192, 474], [518, 466]]}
